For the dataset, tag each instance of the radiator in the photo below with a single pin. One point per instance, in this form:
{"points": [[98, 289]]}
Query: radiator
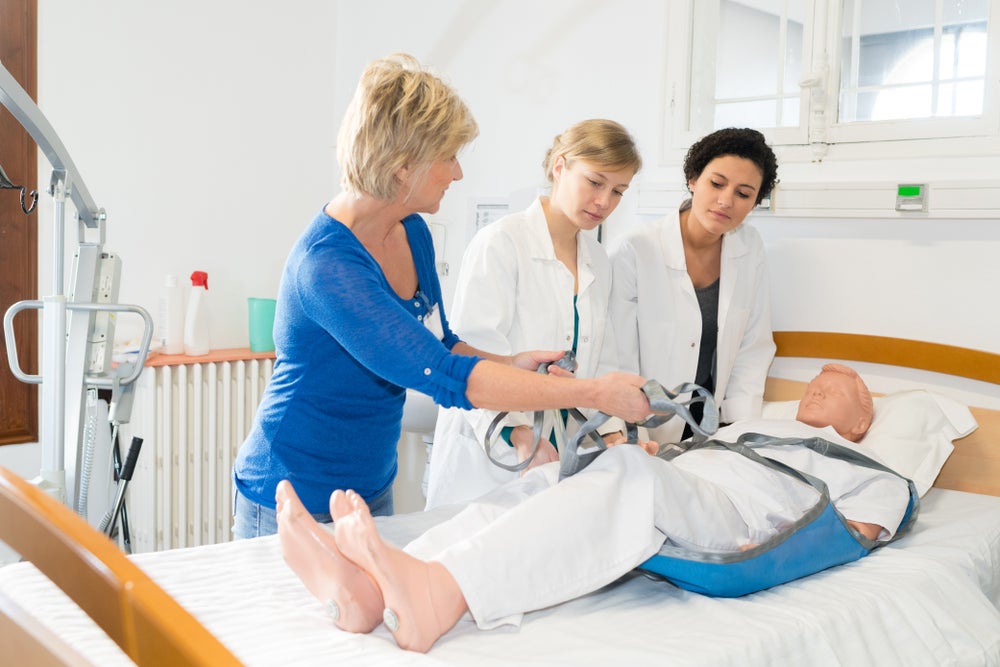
{"points": [[192, 419]]}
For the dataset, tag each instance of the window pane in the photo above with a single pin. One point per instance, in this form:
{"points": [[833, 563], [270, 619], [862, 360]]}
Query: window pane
{"points": [[965, 11], [965, 56], [886, 46], [790, 112], [960, 99], [793, 57], [898, 103], [746, 114], [759, 54], [746, 35]]}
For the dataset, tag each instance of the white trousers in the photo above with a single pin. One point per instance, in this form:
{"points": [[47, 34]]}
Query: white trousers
{"points": [[534, 542]]}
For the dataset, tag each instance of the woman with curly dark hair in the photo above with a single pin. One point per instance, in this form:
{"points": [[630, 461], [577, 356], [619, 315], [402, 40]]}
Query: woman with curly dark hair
{"points": [[690, 292]]}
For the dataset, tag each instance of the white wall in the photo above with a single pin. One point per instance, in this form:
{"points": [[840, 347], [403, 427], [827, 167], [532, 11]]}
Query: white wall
{"points": [[527, 70], [207, 129]]}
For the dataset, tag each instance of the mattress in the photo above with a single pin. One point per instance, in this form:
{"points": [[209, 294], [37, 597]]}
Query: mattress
{"points": [[931, 598]]}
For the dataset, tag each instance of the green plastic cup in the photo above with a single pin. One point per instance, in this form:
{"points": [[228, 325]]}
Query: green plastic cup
{"points": [[261, 324]]}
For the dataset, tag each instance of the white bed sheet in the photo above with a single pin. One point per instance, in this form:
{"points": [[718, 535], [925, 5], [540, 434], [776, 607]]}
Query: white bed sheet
{"points": [[932, 598]]}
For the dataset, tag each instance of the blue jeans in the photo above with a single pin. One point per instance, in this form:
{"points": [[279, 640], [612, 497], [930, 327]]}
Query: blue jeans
{"points": [[253, 520]]}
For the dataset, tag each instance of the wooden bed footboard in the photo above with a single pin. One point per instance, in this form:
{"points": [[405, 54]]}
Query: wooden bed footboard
{"points": [[146, 622]]}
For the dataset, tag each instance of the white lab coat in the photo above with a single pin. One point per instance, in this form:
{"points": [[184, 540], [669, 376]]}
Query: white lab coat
{"points": [[534, 542], [514, 295], [658, 320]]}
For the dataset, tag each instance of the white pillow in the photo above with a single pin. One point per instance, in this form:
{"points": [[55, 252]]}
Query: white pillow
{"points": [[912, 431]]}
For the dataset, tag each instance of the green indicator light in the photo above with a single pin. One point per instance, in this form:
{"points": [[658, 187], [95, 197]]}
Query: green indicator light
{"points": [[908, 191]]}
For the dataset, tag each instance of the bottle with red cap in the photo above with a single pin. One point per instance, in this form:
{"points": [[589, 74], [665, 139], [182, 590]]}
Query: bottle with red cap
{"points": [[196, 338]]}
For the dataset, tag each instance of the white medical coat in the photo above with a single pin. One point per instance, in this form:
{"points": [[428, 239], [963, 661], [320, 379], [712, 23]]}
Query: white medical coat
{"points": [[658, 320], [514, 295]]}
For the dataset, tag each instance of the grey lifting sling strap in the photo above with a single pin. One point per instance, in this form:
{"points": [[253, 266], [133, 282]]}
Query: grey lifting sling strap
{"points": [[567, 362], [663, 405]]}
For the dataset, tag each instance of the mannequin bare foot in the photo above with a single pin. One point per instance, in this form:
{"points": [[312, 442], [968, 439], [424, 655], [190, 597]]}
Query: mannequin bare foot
{"points": [[311, 551], [422, 599]]}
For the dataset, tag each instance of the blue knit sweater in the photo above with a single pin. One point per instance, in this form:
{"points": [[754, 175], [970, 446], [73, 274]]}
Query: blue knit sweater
{"points": [[347, 347]]}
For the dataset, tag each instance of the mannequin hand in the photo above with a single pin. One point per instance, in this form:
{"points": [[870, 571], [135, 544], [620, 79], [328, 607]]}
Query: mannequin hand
{"points": [[652, 448], [869, 530], [522, 437], [612, 439], [618, 438]]}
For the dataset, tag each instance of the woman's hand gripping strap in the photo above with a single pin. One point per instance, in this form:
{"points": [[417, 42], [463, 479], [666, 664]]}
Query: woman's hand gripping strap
{"points": [[567, 362], [664, 406], [662, 402]]}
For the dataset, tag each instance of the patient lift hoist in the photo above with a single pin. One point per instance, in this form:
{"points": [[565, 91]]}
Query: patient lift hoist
{"points": [[77, 332]]}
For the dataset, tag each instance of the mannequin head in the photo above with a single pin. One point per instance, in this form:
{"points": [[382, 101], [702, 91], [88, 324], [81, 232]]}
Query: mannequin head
{"points": [[838, 397]]}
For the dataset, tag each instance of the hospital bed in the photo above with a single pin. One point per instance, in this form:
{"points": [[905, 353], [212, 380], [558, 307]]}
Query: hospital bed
{"points": [[931, 598]]}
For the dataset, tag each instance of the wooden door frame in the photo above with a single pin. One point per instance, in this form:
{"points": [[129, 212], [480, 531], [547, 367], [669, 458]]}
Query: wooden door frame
{"points": [[18, 232]]}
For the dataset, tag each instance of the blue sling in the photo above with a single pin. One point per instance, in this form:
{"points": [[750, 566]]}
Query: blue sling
{"points": [[820, 539]]}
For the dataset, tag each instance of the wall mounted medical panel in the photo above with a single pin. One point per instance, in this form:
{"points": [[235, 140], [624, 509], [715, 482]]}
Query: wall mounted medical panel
{"points": [[966, 199]]}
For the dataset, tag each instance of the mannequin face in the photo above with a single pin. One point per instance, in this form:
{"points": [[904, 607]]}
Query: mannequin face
{"points": [[831, 399], [586, 193]]}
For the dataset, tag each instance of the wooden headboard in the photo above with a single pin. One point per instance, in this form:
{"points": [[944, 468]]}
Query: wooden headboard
{"points": [[974, 466]]}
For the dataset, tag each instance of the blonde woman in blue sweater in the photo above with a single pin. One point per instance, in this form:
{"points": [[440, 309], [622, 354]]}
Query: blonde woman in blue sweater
{"points": [[360, 319]]}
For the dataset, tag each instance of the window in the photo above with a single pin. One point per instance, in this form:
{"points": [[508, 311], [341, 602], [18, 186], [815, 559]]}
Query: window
{"points": [[820, 73], [890, 74]]}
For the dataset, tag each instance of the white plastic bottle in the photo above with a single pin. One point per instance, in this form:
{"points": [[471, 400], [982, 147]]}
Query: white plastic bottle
{"points": [[171, 324], [196, 339]]}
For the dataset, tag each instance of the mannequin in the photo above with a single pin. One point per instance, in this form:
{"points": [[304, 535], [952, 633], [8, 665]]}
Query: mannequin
{"points": [[421, 591]]}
